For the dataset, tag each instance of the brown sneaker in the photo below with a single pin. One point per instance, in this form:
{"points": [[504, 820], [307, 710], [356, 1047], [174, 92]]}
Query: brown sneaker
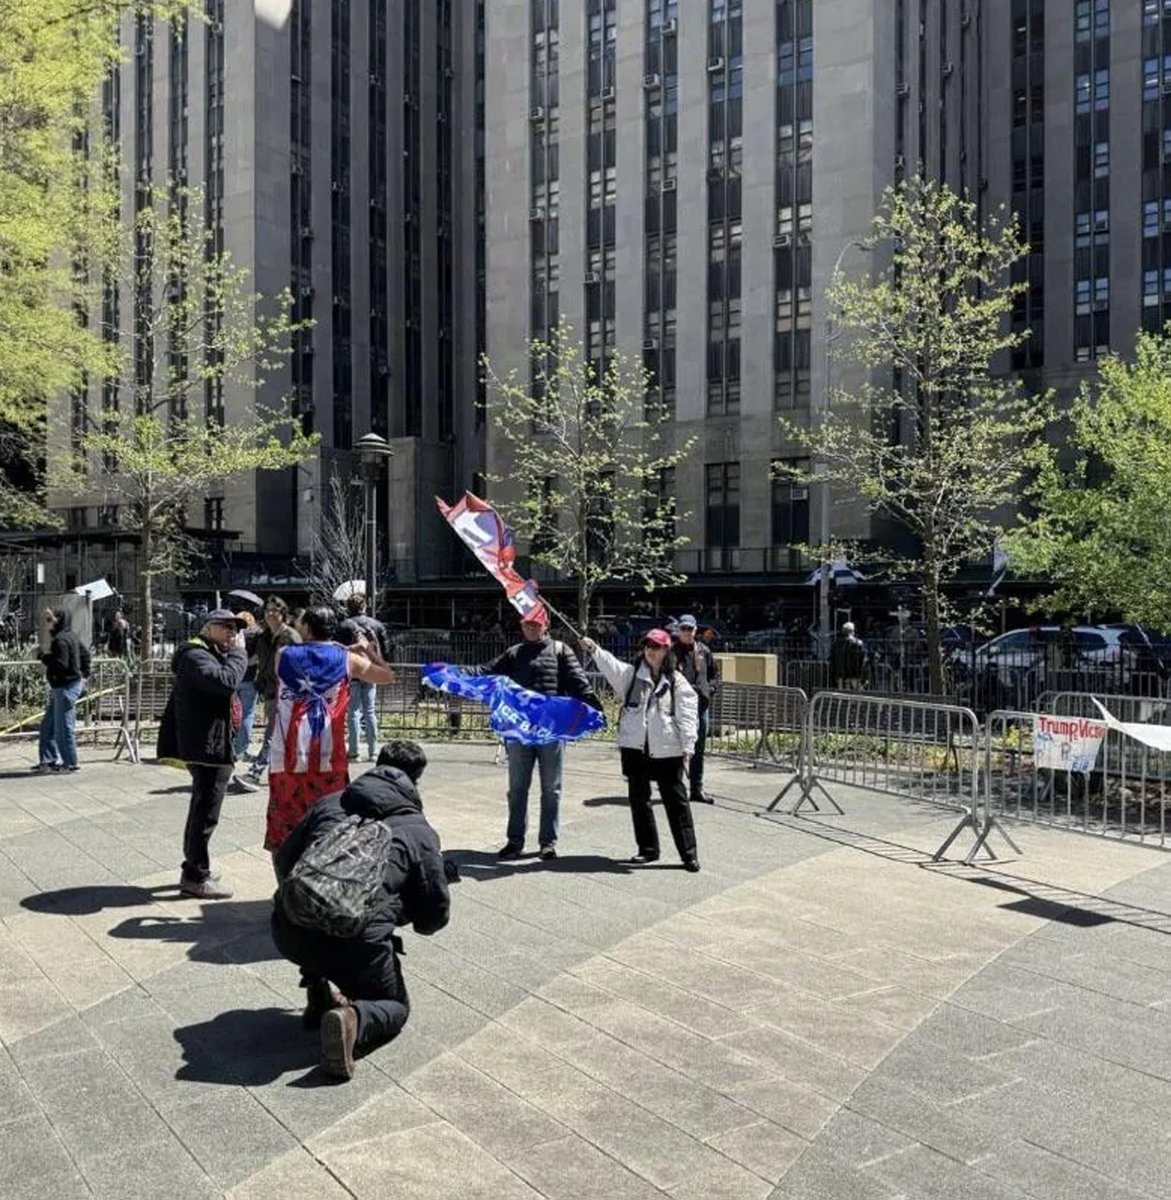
{"points": [[204, 889], [320, 997], [339, 1032]]}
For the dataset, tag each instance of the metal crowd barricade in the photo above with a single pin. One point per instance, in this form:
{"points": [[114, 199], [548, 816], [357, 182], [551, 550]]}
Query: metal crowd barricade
{"points": [[408, 708], [1125, 796], [758, 723], [102, 708], [923, 751]]}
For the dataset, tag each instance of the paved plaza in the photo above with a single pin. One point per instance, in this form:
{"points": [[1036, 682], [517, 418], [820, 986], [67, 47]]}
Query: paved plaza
{"points": [[820, 1014]]}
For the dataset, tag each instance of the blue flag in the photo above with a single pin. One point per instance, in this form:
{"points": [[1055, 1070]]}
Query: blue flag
{"points": [[515, 713]]}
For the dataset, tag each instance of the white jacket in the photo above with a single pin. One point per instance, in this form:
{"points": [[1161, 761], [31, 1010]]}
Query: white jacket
{"points": [[650, 721]]}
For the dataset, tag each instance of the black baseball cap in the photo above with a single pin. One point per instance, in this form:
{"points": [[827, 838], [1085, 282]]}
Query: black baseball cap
{"points": [[223, 616]]}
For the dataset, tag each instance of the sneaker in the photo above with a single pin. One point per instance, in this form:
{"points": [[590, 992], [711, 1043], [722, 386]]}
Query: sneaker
{"points": [[320, 997], [339, 1032], [204, 889], [548, 852], [244, 783], [353, 756], [691, 864], [44, 768], [644, 858], [510, 850]]}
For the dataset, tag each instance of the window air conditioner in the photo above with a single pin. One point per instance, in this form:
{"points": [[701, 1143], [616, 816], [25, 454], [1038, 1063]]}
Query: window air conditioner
{"points": [[669, 185], [904, 90], [670, 27], [650, 344], [537, 113], [592, 277], [536, 214], [782, 241], [651, 81], [715, 64]]}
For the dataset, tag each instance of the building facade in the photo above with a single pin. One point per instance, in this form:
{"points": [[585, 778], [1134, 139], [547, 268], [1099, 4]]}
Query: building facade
{"points": [[334, 145], [681, 181]]}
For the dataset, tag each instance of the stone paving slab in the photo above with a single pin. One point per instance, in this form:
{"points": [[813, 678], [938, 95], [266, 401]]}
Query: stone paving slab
{"points": [[821, 1012]]}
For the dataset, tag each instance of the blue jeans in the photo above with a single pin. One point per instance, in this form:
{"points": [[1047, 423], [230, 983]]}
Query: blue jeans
{"points": [[247, 693], [58, 741], [261, 759], [520, 775], [362, 707]]}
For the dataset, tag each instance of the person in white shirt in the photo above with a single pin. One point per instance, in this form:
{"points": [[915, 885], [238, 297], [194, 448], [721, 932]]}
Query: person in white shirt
{"points": [[657, 729]]}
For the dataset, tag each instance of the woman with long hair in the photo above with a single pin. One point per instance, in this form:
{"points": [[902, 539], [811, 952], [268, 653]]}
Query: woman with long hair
{"points": [[309, 736], [656, 735]]}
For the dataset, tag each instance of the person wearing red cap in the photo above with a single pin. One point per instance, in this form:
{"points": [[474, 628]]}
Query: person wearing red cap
{"points": [[656, 736], [540, 664]]}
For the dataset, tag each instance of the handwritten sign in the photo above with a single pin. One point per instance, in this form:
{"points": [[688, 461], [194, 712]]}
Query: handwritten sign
{"points": [[1066, 743]]}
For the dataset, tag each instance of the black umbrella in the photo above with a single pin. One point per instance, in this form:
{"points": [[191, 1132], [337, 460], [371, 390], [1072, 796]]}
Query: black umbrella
{"points": [[251, 597]]}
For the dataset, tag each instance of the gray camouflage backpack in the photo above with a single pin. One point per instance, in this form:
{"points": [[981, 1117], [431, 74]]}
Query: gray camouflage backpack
{"points": [[335, 886]]}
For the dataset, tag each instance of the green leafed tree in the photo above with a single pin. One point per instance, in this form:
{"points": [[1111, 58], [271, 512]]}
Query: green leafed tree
{"points": [[1102, 497], [57, 213], [933, 440], [198, 329], [591, 461]]}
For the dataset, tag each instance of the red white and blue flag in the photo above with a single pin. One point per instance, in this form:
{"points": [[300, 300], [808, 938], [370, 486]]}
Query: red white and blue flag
{"points": [[481, 528]]}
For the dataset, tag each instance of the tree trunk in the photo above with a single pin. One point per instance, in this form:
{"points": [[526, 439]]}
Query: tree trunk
{"points": [[145, 598], [931, 619], [584, 595]]}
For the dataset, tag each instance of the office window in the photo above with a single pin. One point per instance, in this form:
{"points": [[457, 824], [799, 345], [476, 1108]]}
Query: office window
{"points": [[722, 505]]}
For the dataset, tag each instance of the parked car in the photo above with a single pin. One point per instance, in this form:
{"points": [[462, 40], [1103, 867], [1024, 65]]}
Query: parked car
{"points": [[1079, 647]]}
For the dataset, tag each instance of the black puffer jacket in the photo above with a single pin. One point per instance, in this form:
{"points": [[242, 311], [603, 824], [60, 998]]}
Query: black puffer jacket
{"points": [[197, 723], [66, 660], [414, 886], [547, 667]]}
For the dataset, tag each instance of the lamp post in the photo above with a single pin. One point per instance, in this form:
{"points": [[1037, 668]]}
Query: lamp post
{"points": [[373, 452], [820, 468]]}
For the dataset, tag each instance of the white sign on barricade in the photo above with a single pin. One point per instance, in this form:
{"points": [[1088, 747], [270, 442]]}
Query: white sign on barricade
{"points": [[1158, 737], [1066, 743]]}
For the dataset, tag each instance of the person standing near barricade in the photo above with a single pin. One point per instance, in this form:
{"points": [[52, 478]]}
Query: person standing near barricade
{"points": [[849, 661], [549, 667], [656, 735], [276, 634], [67, 665], [196, 731], [309, 734], [698, 666], [360, 627]]}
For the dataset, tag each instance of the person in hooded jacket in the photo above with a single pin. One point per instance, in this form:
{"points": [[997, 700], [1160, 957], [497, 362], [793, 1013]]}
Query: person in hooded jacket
{"points": [[67, 666], [355, 988], [197, 730], [657, 729]]}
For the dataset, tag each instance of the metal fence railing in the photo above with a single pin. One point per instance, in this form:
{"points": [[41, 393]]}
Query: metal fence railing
{"points": [[102, 709], [1124, 795], [757, 723], [923, 751]]}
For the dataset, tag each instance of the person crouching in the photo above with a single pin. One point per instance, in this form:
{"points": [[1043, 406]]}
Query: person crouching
{"points": [[356, 993], [656, 736]]}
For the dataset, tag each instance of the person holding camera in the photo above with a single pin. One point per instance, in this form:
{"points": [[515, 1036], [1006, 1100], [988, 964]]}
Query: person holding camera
{"points": [[197, 731]]}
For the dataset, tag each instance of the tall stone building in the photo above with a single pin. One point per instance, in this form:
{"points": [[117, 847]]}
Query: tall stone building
{"points": [[679, 180], [334, 144]]}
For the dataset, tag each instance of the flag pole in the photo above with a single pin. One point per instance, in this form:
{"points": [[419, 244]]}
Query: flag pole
{"points": [[561, 617]]}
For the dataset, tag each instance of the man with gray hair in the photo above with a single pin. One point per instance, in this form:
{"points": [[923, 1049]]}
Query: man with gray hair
{"points": [[849, 661]]}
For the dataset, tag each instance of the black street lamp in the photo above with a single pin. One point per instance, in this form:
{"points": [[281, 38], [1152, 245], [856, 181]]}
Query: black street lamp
{"points": [[373, 453]]}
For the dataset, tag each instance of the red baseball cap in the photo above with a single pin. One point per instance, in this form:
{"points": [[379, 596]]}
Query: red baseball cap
{"points": [[656, 637]]}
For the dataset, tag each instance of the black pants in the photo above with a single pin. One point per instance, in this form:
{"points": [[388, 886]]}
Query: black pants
{"points": [[367, 973], [208, 785], [695, 770], [640, 771]]}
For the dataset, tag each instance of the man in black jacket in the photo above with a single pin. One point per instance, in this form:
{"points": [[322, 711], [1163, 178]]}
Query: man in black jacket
{"points": [[355, 985], [67, 664], [699, 668], [542, 665], [197, 731], [849, 661]]}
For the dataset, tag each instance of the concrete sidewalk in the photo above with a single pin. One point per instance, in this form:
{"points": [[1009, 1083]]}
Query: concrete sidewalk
{"points": [[821, 1012]]}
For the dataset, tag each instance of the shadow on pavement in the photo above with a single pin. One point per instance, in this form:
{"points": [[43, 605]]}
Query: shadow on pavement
{"points": [[483, 864], [248, 1047], [223, 931], [81, 901], [618, 801]]}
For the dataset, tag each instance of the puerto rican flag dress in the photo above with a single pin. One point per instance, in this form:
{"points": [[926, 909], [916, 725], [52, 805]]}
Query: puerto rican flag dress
{"points": [[309, 735]]}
